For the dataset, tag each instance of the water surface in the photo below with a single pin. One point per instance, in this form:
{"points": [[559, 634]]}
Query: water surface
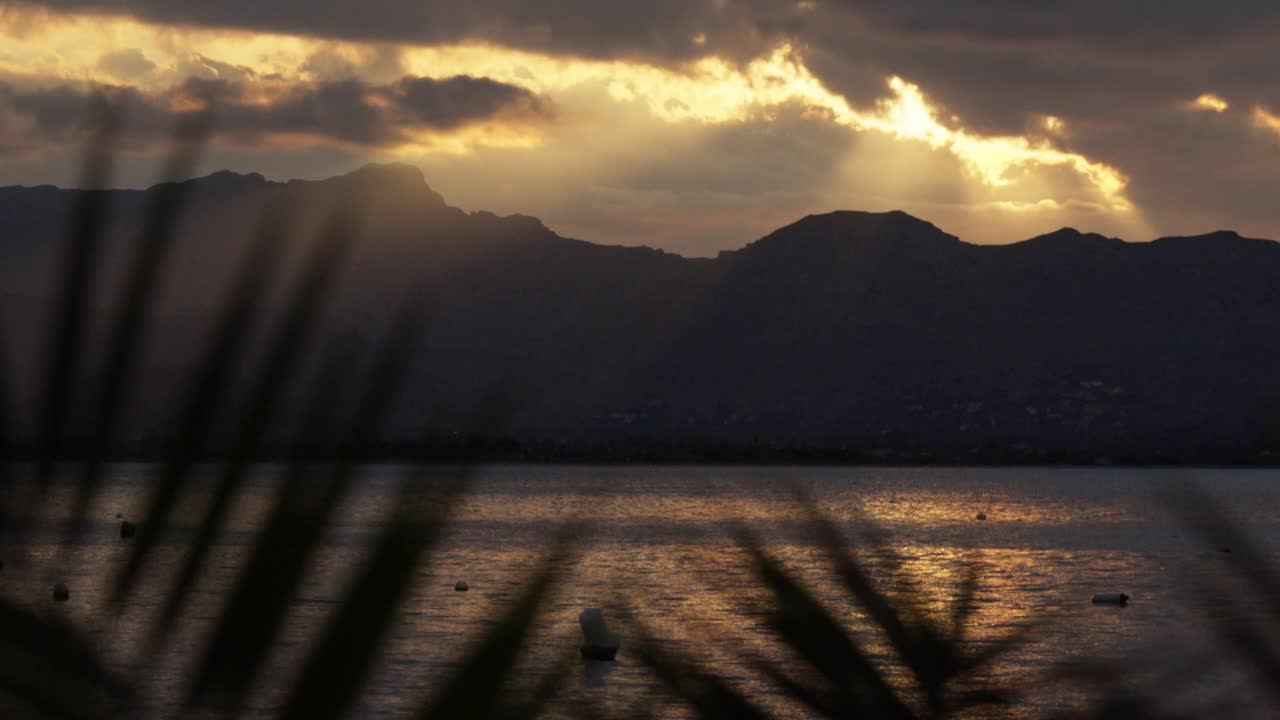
{"points": [[660, 542]]}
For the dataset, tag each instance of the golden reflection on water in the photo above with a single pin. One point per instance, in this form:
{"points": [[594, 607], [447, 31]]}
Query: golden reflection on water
{"points": [[908, 506], [660, 545]]}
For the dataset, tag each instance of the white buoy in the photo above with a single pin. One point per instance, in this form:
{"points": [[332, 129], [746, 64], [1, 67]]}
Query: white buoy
{"points": [[61, 593], [461, 586], [597, 642], [1110, 599]]}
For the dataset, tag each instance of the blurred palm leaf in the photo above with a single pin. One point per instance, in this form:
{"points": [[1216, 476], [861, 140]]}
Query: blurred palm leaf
{"points": [[49, 669], [840, 675], [128, 332]]}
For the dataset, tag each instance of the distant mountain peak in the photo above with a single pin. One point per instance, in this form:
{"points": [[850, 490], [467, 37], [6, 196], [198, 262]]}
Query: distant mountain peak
{"points": [[1066, 231], [517, 221], [1223, 243], [392, 172], [1069, 237], [1215, 235], [223, 180], [842, 231], [231, 177], [394, 177], [891, 223]]}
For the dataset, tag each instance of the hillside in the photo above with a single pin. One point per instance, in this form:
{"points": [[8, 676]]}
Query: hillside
{"points": [[847, 336]]}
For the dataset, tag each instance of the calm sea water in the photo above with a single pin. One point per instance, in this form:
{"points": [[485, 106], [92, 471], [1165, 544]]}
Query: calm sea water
{"points": [[660, 543]]}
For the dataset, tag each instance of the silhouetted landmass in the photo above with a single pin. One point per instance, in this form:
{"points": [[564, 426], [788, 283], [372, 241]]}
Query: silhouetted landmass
{"points": [[849, 336]]}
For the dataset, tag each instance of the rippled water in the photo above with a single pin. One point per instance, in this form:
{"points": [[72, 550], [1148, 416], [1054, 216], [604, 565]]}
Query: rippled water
{"points": [[660, 543]]}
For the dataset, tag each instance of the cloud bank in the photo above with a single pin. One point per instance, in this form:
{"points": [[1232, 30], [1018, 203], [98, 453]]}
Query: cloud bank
{"points": [[699, 124]]}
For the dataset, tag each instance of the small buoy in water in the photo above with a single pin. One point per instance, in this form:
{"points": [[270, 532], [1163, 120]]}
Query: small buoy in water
{"points": [[982, 516], [127, 529], [460, 586], [61, 593], [1110, 599], [597, 642]]}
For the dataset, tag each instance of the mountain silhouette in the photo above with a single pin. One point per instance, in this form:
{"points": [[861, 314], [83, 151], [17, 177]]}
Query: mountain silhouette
{"points": [[847, 335]]}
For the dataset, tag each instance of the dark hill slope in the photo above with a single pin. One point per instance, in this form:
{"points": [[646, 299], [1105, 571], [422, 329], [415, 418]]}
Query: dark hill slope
{"points": [[864, 331]]}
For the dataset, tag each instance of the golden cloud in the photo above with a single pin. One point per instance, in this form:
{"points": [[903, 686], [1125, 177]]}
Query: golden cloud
{"points": [[1210, 102], [709, 91], [1053, 125], [1266, 120], [714, 91]]}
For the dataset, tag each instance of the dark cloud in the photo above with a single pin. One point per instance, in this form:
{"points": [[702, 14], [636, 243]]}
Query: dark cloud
{"points": [[1198, 171], [1117, 72], [347, 111], [989, 61], [667, 28], [128, 63], [55, 114], [658, 29], [994, 61], [196, 65], [1111, 27], [381, 63], [449, 103]]}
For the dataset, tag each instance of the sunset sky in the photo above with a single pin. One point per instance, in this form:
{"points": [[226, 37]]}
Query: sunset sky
{"points": [[690, 125]]}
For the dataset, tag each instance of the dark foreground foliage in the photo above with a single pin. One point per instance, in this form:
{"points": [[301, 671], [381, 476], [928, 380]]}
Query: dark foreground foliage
{"points": [[49, 668]]}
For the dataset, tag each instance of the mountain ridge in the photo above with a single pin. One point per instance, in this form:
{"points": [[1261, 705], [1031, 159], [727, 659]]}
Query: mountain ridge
{"points": [[411, 176], [857, 336]]}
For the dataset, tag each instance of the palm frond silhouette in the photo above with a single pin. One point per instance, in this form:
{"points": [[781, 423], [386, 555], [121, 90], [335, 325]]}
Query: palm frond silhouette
{"points": [[51, 667], [48, 666], [838, 673]]}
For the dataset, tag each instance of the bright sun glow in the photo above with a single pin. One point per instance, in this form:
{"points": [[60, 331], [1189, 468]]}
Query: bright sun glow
{"points": [[712, 91], [1266, 120], [1209, 101]]}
